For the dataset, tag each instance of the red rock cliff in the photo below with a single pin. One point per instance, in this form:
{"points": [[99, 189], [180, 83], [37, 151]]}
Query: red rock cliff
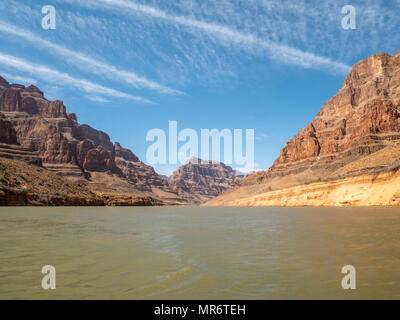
{"points": [[361, 119]]}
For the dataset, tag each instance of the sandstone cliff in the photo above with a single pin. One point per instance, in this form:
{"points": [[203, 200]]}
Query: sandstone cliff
{"points": [[348, 137], [199, 180], [9, 146], [41, 132], [379, 189], [143, 176], [38, 131], [7, 132], [22, 184]]}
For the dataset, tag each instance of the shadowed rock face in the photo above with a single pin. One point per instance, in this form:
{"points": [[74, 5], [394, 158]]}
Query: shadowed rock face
{"points": [[143, 176], [45, 127], [125, 154], [198, 180], [7, 132], [17, 98], [361, 119], [4, 83], [99, 138], [11, 100], [51, 137]]}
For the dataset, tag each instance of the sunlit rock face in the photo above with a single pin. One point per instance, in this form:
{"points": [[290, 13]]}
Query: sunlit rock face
{"points": [[45, 127], [361, 119], [199, 180]]}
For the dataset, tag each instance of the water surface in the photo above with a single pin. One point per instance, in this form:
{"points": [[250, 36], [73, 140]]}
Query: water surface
{"points": [[199, 253]]}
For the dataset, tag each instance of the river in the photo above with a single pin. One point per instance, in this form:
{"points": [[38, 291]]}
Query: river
{"points": [[199, 253]]}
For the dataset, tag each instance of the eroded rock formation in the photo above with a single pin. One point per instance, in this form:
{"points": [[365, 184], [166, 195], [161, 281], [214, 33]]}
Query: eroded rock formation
{"points": [[143, 176], [66, 147], [200, 180], [362, 119], [45, 134], [7, 132]]}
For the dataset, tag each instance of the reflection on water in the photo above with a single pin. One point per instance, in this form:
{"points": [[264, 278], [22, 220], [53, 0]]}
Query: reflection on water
{"points": [[199, 253]]}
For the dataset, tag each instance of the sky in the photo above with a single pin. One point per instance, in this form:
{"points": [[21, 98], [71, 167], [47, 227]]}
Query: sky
{"points": [[129, 66]]}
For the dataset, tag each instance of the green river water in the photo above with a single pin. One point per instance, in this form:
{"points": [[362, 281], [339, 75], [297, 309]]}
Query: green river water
{"points": [[199, 253]]}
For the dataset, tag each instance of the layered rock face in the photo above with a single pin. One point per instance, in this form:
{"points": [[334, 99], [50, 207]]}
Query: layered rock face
{"points": [[45, 134], [362, 118], [65, 146], [22, 184], [7, 132], [199, 180], [18, 98], [9, 147], [380, 189], [143, 176], [355, 133], [45, 127], [361, 113]]}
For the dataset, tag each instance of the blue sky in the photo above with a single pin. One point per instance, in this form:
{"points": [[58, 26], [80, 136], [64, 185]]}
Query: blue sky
{"points": [[127, 66]]}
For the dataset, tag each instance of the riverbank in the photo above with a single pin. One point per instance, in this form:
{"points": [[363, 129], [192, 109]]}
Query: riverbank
{"points": [[380, 189], [29, 185]]}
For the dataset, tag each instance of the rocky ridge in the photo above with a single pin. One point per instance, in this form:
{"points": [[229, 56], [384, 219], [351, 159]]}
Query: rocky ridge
{"points": [[41, 132], [199, 180], [22, 184], [33, 127], [362, 119]]}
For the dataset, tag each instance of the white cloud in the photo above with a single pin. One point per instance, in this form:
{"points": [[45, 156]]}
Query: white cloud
{"points": [[93, 65], [19, 79], [97, 99], [277, 51], [54, 76], [262, 136]]}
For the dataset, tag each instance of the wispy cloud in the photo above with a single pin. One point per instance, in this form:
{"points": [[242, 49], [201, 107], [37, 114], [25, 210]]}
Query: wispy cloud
{"points": [[97, 99], [277, 51], [262, 136], [52, 75], [19, 79], [94, 66]]}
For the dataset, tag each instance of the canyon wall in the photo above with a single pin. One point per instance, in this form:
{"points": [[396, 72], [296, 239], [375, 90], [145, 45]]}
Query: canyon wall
{"points": [[41, 132], [199, 180], [361, 120]]}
